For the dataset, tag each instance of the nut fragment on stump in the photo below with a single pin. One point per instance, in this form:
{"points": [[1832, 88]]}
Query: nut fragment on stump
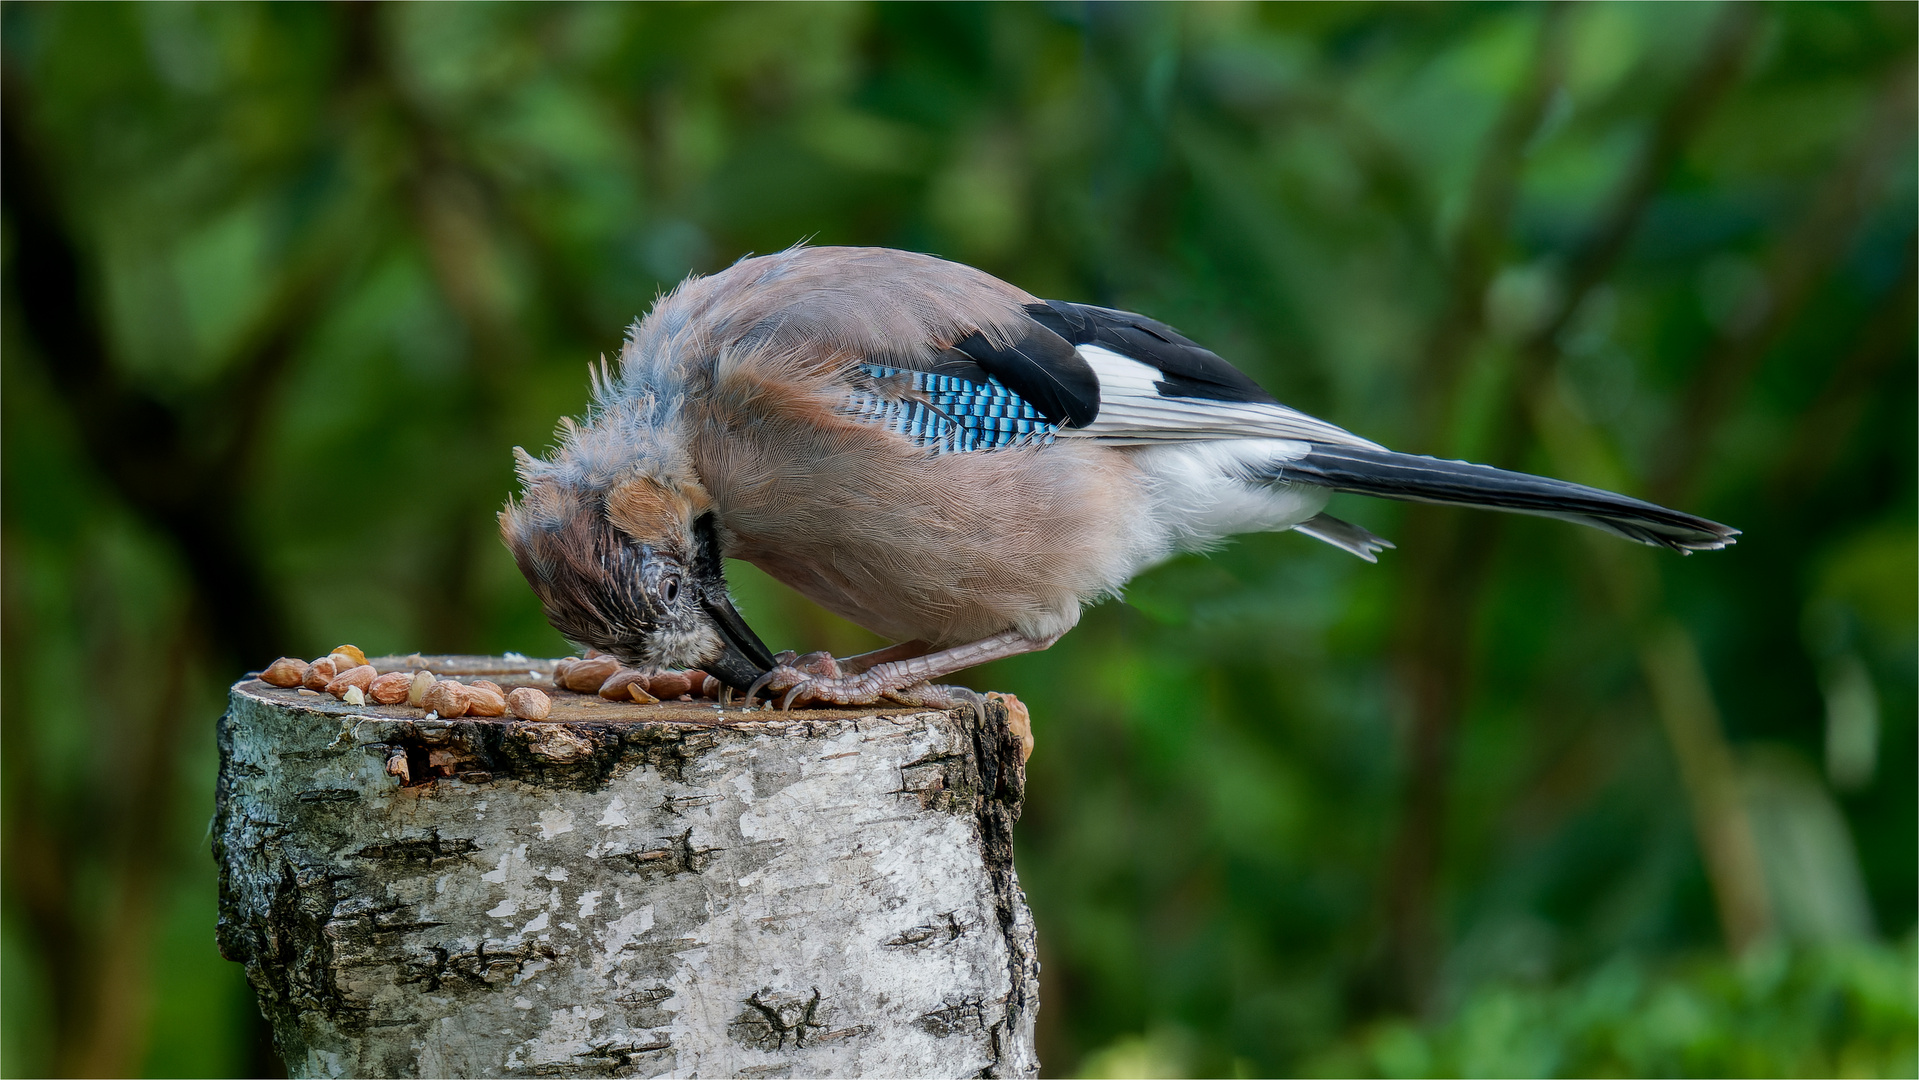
{"points": [[320, 673], [623, 889], [668, 685], [360, 678], [528, 704], [445, 698], [485, 701], [587, 676], [391, 688], [416, 693], [619, 686], [285, 672]]}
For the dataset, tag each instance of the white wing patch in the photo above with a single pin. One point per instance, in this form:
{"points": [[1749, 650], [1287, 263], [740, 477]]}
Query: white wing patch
{"points": [[1131, 411]]}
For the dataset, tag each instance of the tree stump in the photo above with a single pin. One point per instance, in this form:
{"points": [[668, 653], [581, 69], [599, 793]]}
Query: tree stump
{"points": [[625, 890]]}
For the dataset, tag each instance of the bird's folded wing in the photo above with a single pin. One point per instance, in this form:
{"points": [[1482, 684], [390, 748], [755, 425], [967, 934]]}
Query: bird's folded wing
{"points": [[1112, 376]]}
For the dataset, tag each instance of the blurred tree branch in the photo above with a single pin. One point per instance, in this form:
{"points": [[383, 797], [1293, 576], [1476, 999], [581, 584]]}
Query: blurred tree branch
{"points": [[108, 1037], [182, 469], [1820, 436], [1481, 241], [1451, 553], [1794, 270], [1432, 651], [99, 974], [38, 862], [1669, 657], [459, 213]]}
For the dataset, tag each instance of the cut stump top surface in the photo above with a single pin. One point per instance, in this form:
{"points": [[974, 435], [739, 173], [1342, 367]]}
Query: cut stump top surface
{"points": [[568, 706]]}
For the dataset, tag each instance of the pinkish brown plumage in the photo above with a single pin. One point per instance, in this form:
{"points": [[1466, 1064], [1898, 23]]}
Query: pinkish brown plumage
{"points": [[940, 457]]}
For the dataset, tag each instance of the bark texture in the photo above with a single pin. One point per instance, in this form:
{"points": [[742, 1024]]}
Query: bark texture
{"points": [[625, 890]]}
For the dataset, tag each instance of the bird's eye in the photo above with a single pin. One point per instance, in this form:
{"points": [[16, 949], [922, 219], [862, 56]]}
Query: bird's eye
{"points": [[670, 588]]}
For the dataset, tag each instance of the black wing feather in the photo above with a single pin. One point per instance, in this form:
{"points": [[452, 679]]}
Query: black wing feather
{"points": [[1042, 368], [1190, 370]]}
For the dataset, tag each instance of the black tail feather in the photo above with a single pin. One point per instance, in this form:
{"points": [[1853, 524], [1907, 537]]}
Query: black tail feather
{"points": [[1387, 475]]}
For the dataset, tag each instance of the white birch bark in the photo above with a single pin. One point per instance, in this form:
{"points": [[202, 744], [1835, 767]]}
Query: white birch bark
{"points": [[626, 890]]}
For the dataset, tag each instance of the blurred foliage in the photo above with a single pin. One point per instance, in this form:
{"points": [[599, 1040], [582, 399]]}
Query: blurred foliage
{"points": [[283, 284], [1820, 1011], [1831, 1011]]}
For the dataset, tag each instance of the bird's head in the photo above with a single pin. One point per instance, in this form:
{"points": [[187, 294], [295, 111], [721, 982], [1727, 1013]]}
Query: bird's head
{"points": [[626, 559]]}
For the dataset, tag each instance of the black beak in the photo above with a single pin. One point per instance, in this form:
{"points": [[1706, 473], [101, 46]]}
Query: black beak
{"points": [[745, 657]]}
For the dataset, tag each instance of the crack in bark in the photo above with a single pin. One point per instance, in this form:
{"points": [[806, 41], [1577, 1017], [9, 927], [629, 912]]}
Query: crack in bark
{"points": [[613, 1056], [954, 1018], [677, 857], [676, 805], [477, 967], [765, 1023], [429, 850], [928, 933]]}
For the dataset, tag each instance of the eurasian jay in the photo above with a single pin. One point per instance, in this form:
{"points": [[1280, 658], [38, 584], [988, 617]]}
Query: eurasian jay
{"points": [[941, 458]]}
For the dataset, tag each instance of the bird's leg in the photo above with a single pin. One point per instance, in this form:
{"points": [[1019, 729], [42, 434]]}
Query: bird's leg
{"points": [[907, 680], [823, 665]]}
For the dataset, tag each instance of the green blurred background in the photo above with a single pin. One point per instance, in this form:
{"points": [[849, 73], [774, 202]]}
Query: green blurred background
{"points": [[283, 285]]}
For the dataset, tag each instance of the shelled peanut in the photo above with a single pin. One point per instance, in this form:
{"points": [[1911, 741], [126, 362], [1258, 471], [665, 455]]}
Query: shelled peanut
{"points": [[290, 672], [603, 675], [416, 690], [668, 685], [390, 688], [345, 674], [360, 678], [285, 672], [320, 673], [585, 676], [447, 698], [485, 698], [625, 684], [528, 704]]}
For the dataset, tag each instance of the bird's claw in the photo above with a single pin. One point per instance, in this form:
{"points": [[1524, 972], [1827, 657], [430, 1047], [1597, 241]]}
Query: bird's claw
{"points": [[796, 674], [817, 679], [766, 679], [787, 678]]}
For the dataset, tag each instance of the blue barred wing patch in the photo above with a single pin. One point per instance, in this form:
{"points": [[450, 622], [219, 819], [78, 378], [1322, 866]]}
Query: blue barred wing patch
{"points": [[950, 414]]}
